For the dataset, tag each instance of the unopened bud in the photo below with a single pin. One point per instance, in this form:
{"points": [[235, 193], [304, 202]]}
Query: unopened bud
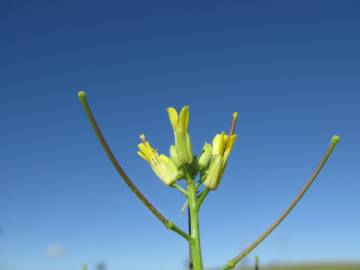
{"points": [[205, 157]]}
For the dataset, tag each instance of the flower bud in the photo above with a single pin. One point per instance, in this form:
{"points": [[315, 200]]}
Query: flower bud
{"points": [[205, 157], [180, 125]]}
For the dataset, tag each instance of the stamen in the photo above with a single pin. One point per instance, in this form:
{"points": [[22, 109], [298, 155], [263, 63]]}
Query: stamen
{"points": [[142, 138]]}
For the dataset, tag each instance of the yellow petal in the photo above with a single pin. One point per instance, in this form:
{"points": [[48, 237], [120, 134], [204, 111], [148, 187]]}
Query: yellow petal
{"points": [[184, 119], [174, 119], [146, 150], [142, 147], [229, 147], [142, 155]]}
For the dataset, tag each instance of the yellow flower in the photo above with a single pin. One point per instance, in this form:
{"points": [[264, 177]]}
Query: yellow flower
{"points": [[183, 150], [163, 166], [221, 147]]}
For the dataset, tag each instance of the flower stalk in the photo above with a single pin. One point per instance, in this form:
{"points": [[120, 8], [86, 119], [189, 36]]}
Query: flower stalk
{"points": [[232, 263], [167, 223]]}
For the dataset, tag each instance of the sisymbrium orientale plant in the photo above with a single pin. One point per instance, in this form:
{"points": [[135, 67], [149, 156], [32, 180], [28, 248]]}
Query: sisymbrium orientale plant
{"points": [[202, 174]]}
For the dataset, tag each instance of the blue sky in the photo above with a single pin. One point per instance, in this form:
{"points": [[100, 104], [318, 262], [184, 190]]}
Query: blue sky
{"points": [[291, 70]]}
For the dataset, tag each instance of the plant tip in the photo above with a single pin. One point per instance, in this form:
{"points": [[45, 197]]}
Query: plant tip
{"points": [[81, 94], [235, 115], [335, 139]]}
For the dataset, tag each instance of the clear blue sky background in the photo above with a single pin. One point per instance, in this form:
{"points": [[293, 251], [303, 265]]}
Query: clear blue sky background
{"points": [[290, 68]]}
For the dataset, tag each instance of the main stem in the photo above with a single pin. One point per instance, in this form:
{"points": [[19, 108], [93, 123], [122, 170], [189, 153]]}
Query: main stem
{"points": [[195, 246]]}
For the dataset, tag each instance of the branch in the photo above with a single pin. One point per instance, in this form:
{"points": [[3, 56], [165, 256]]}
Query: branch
{"points": [[179, 188], [168, 224], [232, 263], [202, 198]]}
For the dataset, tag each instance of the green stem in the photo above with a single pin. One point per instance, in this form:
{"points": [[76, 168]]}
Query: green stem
{"points": [[198, 184], [185, 205], [201, 180], [202, 198], [232, 263], [194, 225], [168, 224], [191, 267], [179, 188]]}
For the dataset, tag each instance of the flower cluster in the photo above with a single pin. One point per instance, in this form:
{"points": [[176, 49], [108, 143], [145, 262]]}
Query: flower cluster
{"points": [[211, 162]]}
